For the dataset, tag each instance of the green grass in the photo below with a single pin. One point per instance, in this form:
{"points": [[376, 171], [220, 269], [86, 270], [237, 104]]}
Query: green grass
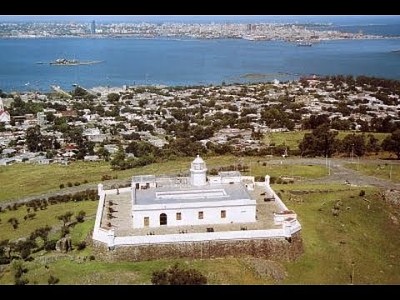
{"points": [[71, 269], [360, 235], [290, 139], [22, 180], [380, 170], [293, 138], [45, 217], [364, 236]]}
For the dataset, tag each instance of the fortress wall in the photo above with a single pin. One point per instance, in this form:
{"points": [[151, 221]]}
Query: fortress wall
{"points": [[285, 249]]}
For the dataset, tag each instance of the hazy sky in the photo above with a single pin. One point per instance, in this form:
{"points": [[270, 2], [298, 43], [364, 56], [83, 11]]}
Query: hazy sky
{"points": [[197, 18]]}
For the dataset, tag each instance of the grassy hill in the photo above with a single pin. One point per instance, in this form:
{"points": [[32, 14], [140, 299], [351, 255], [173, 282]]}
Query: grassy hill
{"points": [[362, 242]]}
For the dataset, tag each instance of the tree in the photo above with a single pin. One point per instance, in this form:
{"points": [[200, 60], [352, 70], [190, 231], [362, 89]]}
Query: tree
{"points": [[178, 276], [103, 153], [320, 142], [392, 143], [118, 161], [33, 139], [113, 97], [354, 144], [65, 218], [79, 92], [373, 144]]}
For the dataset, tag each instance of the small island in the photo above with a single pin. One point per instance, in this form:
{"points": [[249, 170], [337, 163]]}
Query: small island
{"points": [[72, 62]]}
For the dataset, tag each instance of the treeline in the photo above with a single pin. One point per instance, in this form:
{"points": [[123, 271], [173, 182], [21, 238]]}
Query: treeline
{"points": [[323, 141]]}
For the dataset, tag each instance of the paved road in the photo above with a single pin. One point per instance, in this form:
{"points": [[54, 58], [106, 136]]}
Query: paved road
{"points": [[338, 174]]}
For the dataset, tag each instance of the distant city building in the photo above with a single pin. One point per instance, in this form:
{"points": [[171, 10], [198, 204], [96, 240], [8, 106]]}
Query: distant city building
{"points": [[4, 115], [41, 118], [93, 27]]}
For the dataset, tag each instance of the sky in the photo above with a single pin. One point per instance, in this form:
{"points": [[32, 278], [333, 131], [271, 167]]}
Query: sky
{"points": [[198, 18]]}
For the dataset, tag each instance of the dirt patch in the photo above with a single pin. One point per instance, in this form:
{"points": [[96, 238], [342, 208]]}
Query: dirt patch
{"points": [[392, 197], [266, 268]]}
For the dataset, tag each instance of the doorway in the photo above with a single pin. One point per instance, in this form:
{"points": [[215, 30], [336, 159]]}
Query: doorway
{"points": [[163, 219]]}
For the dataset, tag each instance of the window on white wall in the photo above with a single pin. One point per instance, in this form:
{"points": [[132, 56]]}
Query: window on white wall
{"points": [[223, 214], [146, 221], [179, 216], [201, 215]]}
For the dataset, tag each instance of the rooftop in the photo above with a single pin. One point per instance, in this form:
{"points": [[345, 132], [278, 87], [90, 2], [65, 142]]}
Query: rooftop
{"points": [[122, 224], [188, 194]]}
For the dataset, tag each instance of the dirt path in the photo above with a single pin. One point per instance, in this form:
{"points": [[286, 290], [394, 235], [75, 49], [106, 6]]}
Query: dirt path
{"points": [[338, 173]]}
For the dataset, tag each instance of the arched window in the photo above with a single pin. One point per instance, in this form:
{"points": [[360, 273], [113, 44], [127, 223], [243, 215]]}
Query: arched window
{"points": [[163, 219]]}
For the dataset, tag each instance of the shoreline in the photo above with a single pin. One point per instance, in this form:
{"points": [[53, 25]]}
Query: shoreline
{"points": [[188, 38]]}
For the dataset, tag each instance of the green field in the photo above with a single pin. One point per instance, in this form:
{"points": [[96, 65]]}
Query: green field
{"points": [[362, 241], [293, 138], [21, 180], [42, 218], [362, 235], [386, 171]]}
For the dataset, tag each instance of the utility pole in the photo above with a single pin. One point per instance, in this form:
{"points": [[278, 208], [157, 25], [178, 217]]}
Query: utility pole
{"points": [[328, 164], [352, 152], [329, 167]]}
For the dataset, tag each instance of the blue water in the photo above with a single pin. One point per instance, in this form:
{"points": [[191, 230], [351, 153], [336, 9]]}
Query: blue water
{"points": [[189, 62]]}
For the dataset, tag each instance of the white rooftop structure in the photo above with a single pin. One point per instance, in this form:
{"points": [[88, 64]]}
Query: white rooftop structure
{"points": [[181, 201], [159, 210]]}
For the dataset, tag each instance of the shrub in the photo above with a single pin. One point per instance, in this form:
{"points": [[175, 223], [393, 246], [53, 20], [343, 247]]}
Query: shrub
{"points": [[362, 193], [91, 257], [53, 280], [19, 281], [14, 222], [62, 186], [64, 231], [178, 276], [50, 245], [80, 217], [81, 245], [259, 178], [213, 171], [25, 252], [106, 177], [85, 181], [69, 184], [77, 183], [272, 179]]}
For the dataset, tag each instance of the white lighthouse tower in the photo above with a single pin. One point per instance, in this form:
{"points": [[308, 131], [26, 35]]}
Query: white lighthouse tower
{"points": [[198, 172]]}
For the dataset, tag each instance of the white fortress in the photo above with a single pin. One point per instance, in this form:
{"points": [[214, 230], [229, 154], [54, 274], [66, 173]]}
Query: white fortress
{"points": [[156, 210], [192, 201]]}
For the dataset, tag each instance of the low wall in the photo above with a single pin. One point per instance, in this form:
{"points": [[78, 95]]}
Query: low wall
{"points": [[283, 243], [286, 249]]}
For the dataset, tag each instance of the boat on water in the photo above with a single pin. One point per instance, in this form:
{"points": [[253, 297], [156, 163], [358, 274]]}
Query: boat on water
{"points": [[72, 62], [304, 44]]}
